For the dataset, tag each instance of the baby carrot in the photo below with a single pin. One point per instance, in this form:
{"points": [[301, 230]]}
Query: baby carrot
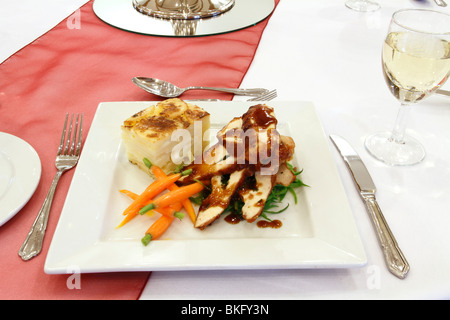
{"points": [[187, 204], [161, 225], [166, 211], [127, 219], [157, 229], [159, 174], [155, 188], [130, 194], [174, 196]]}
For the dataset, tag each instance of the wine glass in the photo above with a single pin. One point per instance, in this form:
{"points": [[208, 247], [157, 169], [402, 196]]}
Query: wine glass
{"points": [[416, 62], [362, 5]]}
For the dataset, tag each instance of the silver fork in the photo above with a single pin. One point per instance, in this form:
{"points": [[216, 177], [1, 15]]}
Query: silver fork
{"points": [[265, 97], [67, 158]]}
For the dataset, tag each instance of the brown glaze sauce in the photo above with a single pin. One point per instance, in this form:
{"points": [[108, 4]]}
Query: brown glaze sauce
{"points": [[258, 116], [263, 118], [274, 224], [219, 197], [233, 218]]}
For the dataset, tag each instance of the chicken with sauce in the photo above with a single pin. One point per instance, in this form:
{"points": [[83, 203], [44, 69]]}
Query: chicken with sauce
{"points": [[248, 160]]}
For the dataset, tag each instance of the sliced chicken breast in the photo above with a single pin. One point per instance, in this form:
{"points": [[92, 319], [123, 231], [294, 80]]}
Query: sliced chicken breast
{"points": [[219, 199]]}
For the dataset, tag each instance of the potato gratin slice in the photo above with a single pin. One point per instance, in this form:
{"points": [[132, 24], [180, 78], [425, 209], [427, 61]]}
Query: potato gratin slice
{"points": [[148, 133]]}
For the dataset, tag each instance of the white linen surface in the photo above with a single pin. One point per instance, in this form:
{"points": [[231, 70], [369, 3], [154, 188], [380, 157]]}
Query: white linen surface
{"points": [[321, 51]]}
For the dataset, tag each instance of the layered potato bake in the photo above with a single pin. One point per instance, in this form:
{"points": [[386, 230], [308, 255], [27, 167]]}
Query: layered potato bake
{"points": [[148, 133]]}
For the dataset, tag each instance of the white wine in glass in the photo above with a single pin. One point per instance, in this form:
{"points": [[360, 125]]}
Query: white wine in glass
{"points": [[416, 62], [362, 5]]}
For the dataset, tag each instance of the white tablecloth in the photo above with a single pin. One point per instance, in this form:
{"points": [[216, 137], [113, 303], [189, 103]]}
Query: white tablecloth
{"points": [[320, 51]]}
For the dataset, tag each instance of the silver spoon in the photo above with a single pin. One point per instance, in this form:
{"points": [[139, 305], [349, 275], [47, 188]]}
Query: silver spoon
{"points": [[168, 90]]}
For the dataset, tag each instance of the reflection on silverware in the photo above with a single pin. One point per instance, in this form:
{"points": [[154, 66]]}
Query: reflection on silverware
{"points": [[440, 3], [394, 257], [184, 27], [183, 9], [168, 90], [67, 158], [265, 97], [443, 92]]}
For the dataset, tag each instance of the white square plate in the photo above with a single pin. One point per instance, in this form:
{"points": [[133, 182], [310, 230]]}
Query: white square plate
{"points": [[318, 232]]}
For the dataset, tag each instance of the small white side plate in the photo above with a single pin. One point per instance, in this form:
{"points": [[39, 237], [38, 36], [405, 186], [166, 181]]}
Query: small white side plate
{"points": [[20, 172]]}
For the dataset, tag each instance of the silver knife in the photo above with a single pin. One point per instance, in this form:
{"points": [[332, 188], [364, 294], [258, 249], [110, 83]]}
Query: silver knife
{"points": [[394, 257]]}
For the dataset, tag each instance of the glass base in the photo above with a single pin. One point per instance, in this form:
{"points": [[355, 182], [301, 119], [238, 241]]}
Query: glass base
{"points": [[362, 5], [183, 9], [394, 153]]}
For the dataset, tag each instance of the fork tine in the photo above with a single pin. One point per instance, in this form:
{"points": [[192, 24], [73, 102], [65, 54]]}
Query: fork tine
{"points": [[274, 94], [69, 133], [267, 96], [75, 129], [271, 95], [63, 135], [80, 136]]}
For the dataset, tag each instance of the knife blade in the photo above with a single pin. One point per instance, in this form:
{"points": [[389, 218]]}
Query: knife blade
{"points": [[394, 258]]}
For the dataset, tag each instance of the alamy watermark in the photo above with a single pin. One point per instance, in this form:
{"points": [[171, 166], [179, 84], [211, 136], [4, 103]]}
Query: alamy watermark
{"points": [[373, 281], [254, 147], [74, 280], [74, 20]]}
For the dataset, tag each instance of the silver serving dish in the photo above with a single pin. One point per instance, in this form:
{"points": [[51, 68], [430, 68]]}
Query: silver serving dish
{"points": [[183, 9]]}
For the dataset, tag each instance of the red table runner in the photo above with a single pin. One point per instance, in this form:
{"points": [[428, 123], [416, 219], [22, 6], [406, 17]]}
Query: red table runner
{"points": [[73, 70]]}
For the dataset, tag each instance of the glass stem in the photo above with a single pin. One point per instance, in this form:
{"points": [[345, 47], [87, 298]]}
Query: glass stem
{"points": [[398, 134]]}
